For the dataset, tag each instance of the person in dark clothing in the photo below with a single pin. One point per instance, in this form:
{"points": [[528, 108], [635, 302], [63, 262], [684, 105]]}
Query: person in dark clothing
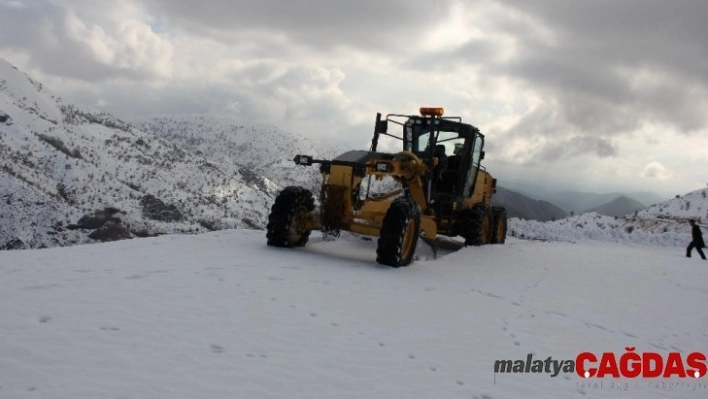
{"points": [[697, 240]]}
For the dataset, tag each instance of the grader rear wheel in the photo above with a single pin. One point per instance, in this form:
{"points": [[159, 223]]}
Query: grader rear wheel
{"points": [[500, 224], [475, 225]]}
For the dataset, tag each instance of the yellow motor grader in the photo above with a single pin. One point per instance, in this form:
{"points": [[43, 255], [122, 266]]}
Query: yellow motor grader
{"points": [[442, 190]]}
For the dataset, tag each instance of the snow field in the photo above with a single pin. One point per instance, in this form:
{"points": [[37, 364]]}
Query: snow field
{"points": [[221, 315]]}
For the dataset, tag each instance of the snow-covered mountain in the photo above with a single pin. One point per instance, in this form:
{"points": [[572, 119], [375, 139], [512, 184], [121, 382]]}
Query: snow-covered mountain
{"points": [[664, 223], [70, 174], [252, 150]]}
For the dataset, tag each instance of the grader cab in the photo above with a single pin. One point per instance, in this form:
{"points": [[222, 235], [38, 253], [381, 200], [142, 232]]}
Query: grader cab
{"points": [[442, 190]]}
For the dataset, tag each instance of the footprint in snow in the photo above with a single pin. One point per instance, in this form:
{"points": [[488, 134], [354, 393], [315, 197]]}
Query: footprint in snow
{"points": [[557, 313], [411, 356], [657, 346], [217, 348], [109, 328], [598, 326], [45, 319]]}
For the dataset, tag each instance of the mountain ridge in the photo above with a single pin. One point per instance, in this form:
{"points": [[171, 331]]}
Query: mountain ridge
{"points": [[63, 163], [619, 206]]}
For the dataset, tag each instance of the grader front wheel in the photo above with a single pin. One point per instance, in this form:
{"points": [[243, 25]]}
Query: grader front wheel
{"points": [[284, 229], [399, 233]]}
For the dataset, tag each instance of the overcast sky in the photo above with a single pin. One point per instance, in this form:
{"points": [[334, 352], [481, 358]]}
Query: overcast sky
{"points": [[597, 95]]}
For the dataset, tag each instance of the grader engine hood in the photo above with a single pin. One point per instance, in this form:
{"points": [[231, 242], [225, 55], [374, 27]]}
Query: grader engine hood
{"points": [[358, 156]]}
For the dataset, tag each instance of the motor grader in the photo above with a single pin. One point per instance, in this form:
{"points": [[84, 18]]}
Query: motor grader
{"points": [[442, 189]]}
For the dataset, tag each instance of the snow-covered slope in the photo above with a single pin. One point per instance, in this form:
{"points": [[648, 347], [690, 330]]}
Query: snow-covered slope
{"points": [[66, 168], [220, 315], [693, 205], [264, 150], [662, 224]]}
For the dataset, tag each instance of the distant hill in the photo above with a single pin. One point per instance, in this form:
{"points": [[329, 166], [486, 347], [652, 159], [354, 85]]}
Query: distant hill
{"points": [[661, 224], [619, 206], [579, 201], [523, 207]]}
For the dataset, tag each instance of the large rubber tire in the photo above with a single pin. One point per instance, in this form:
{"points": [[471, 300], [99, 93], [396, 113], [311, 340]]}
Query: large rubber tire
{"points": [[399, 233], [499, 221], [475, 225], [282, 231]]}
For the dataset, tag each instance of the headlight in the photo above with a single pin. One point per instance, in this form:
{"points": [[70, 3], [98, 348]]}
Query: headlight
{"points": [[304, 160]]}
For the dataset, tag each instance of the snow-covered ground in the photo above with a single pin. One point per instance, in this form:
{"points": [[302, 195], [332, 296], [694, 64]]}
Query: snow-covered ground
{"points": [[221, 315], [594, 227]]}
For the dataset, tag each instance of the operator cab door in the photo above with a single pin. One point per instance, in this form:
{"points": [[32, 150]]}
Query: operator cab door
{"points": [[476, 156]]}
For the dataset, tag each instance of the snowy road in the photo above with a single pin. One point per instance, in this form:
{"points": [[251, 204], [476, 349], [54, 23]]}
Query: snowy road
{"points": [[221, 315]]}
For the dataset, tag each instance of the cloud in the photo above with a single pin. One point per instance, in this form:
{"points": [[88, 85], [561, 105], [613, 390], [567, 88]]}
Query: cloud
{"points": [[12, 4], [84, 41], [371, 25], [656, 171], [614, 66], [553, 84]]}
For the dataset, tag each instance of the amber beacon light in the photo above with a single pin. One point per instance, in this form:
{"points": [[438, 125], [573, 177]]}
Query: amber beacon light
{"points": [[428, 111]]}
